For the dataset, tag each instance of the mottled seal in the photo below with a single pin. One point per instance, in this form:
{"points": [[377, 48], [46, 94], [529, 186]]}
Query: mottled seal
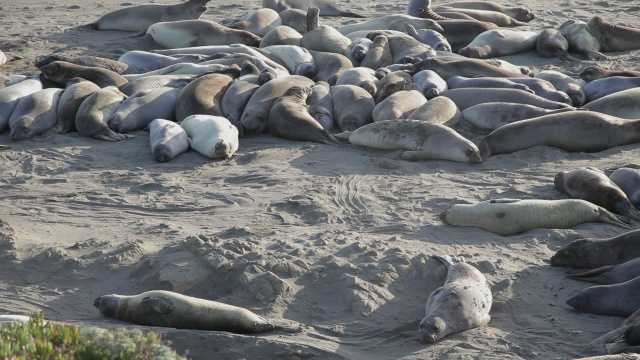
{"points": [[379, 54], [290, 119], [91, 61], [420, 139], [492, 115], [187, 33], [518, 13], [60, 72], [593, 185], [74, 94], [610, 274], [140, 17], [500, 42], [551, 43], [617, 300], [352, 106], [595, 253], [564, 83], [167, 140], [595, 72], [398, 105], [467, 97], [570, 131], [629, 181], [462, 303], [430, 83], [170, 309], [139, 110], [11, 95], [581, 40], [514, 216], [202, 96], [211, 136], [325, 37], [597, 89], [258, 22], [92, 116], [327, 7], [34, 114], [439, 110], [613, 37]]}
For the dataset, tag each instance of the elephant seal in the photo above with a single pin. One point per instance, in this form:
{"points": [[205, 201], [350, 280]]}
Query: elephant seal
{"points": [[595, 72], [392, 83], [156, 82], [296, 59], [500, 42], [398, 105], [281, 35], [139, 110], [60, 72], [167, 139], [95, 110], [74, 94], [236, 97], [360, 48], [581, 40], [379, 54], [321, 104], [492, 115], [290, 119], [573, 131], [593, 185], [467, 97], [459, 33], [258, 22], [255, 116], [8, 80], [515, 216], [330, 65], [422, 9], [544, 89], [420, 139], [462, 303], [613, 37], [295, 19], [4, 58], [488, 16], [430, 83], [518, 13], [359, 76], [436, 40], [145, 61], [90, 61], [327, 7], [34, 114], [401, 45], [140, 17], [595, 253], [202, 96], [10, 97], [466, 68], [391, 22], [188, 33], [616, 300], [352, 106], [629, 181], [597, 89], [325, 37], [439, 110], [551, 43], [565, 84], [170, 309], [608, 275], [211, 136], [459, 82]]}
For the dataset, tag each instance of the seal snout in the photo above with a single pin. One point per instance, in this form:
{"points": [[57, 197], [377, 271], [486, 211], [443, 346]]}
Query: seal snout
{"points": [[108, 305], [222, 149]]}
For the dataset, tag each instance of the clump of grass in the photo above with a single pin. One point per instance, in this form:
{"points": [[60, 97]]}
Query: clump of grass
{"points": [[39, 339]]}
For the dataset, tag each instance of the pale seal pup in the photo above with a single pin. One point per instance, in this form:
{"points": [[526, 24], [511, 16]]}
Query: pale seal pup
{"points": [[462, 303], [145, 61], [60, 72], [488, 16], [466, 68], [330, 65], [594, 253], [211, 136], [467, 97], [90, 61], [518, 13], [391, 22], [566, 84], [434, 39], [325, 37], [595, 72], [327, 7], [573, 131], [610, 274], [156, 82], [74, 94], [597, 89], [258, 22], [352, 106], [92, 116], [379, 54], [616, 300], [439, 110], [202, 96], [398, 105], [290, 119], [281, 35], [296, 59], [492, 115], [500, 42], [593, 185], [34, 114], [8, 80], [629, 181], [187, 33], [170, 309], [419, 139], [140, 17], [11, 95], [321, 104], [360, 48], [359, 76], [551, 43], [515, 216], [422, 9], [613, 37], [139, 110], [167, 140], [580, 39]]}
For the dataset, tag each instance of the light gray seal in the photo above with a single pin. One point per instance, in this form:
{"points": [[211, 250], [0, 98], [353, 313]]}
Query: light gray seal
{"points": [[327, 7], [460, 82], [74, 94], [623, 104], [488, 16], [401, 45], [434, 39], [608, 275], [360, 48], [211, 136], [281, 35], [11, 95], [325, 37], [596, 72], [518, 13], [462, 303], [544, 89], [202, 96], [616, 300], [379, 54], [61, 72], [629, 181], [352, 106], [92, 116], [91, 61], [613, 37], [321, 104], [140, 17], [188, 33], [236, 98], [551, 43], [294, 58], [593, 185], [145, 61], [295, 19], [34, 114], [398, 105], [156, 82], [391, 22], [167, 140], [564, 83], [581, 40], [359, 76], [467, 97], [500, 42], [430, 83], [590, 253], [439, 110], [597, 89], [492, 115], [139, 110]]}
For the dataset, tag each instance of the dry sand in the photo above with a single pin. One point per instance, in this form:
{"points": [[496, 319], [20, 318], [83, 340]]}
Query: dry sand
{"points": [[334, 238]]}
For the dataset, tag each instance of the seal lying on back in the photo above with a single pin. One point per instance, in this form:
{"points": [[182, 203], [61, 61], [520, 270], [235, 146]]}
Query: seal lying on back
{"points": [[594, 253], [327, 7], [595, 72], [514, 216], [617, 300], [170, 309], [462, 303]]}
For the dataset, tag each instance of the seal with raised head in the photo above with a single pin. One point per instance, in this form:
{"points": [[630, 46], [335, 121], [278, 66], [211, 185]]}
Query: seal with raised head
{"points": [[202, 96], [419, 139], [170, 309], [10, 97], [492, 115], [629, 181], [35, 114], [93, 114], [439, 110], [593, 185], [551, 43], [581, 40], [462, 303], [515, 216], [139, 110], [391, 22], [327, 7], [500, 42], [352, 106], [398, 105], [616, 300], [596, 72], [613, 37], [61, 72], [211, 136], [518, 13], [595, 253], [167, 140], [325, 37], [610, 274], [466, 68], [188, 33], [467, 97], [91, 61], [379, 54]]}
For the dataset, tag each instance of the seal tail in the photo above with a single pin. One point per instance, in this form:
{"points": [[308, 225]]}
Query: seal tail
{"points": [[92, 26], [330, 139], [428, 13], [138, 34], [631, 212], [610, 218], [591, 275]]}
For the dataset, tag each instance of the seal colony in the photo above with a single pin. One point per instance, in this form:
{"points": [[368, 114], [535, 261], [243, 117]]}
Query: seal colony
{"points": [[370, 73]]}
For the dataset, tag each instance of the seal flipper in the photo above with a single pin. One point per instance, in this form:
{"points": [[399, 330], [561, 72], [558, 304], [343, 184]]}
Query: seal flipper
{"points": [[347, 13], [157, 305], [596, 276]]}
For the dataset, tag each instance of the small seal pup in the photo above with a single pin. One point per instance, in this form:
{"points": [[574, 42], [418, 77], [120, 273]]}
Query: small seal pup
{"points": [[515, 216], [420, 139], [95, 110], [629, 181], [34, 114], [211, 136], [171, 309], [10, 97], [140, 17], [61, 72], [596, 72], [518, 13], [74, 94], [608, 275], [551, 43], [595, 253], [593, 185], [616, 300], [139, 110], [167, 140], [189, 33], [581, 40], [500, 42], [352, 106], [361, 46], [613, 37], [327, 7], [462, 303]]}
